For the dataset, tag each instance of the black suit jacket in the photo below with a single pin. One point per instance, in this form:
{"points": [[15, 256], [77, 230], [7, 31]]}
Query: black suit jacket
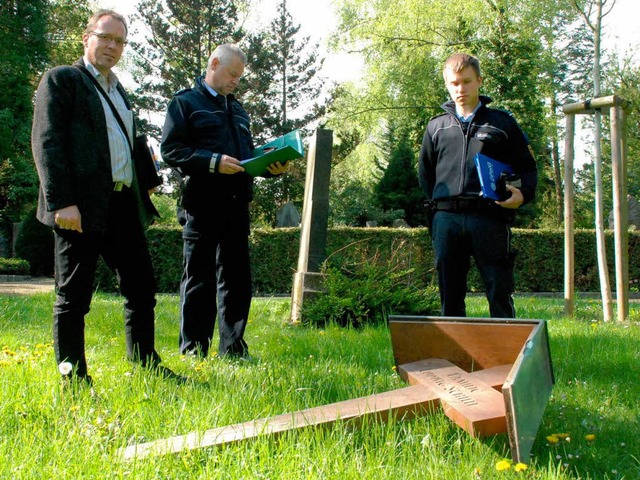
{"points": [[71, 151]]}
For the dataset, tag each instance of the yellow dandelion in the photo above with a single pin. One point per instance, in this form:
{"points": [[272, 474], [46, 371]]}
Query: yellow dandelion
{"points": [[74, 408], [562, 435], [503, 465], [553, 438], [590, 437], [520, 467], [393, 368]]}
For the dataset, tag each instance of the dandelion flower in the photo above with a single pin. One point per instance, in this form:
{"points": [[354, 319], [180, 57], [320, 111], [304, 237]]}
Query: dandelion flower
{"points": [[503, 465], [65, 368], [520, 467], [553, 438], [590, 437]]}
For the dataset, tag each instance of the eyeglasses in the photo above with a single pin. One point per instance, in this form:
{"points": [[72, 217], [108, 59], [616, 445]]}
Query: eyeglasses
{"points": [[107, 38]]}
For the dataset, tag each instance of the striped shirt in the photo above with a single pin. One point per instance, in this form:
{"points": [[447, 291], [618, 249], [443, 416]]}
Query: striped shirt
{"points": [[121, 165]]}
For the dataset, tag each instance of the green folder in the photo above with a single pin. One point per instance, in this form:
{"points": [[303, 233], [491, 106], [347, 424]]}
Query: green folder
{"points": [[282, 149]]}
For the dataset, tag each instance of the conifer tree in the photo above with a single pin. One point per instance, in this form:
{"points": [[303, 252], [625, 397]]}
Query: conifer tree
{"points": [[23, 43], [284, 88], [177, 38], [398, 188]]}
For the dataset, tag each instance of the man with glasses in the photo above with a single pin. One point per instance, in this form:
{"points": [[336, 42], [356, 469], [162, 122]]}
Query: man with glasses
{"points": [[94, 193]]}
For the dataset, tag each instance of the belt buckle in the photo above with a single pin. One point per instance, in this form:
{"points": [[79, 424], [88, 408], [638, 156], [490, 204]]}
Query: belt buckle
{"points": [[118, 186]]}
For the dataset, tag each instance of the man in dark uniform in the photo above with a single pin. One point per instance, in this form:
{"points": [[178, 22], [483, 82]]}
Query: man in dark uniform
{"points": [[205, 136], [94, 194], [463, 223]]}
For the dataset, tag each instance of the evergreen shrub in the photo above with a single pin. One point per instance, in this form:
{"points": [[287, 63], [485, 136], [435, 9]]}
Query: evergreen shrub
{"points": [[34, 243], [368, 290], [14, 266]]}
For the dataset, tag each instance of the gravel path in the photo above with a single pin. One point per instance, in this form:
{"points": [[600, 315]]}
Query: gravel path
{"points": [[10, 284]]}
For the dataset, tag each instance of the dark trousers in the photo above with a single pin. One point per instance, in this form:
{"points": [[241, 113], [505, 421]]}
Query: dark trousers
{"points": [[216, 262], [124, 248], [487, 238]]}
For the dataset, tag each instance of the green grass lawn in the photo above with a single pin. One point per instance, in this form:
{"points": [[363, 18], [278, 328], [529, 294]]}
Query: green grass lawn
{"points": [[47, 433]]}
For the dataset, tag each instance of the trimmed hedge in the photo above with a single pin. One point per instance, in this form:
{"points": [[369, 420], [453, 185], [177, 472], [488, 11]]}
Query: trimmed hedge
{"points": [[14, 266], [274, 257]]}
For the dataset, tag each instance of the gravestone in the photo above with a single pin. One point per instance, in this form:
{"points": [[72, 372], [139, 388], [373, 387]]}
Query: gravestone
{"points": [[308, 280], [287, 216], [400, 223], [488, 376], [633, 210]]}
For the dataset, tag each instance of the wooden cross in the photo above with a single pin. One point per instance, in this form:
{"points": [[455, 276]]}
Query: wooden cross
{"points": [[473, 400]]}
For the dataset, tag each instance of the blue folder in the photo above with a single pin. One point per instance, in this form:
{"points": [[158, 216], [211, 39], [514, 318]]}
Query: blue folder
{"points": [[489, 171]]}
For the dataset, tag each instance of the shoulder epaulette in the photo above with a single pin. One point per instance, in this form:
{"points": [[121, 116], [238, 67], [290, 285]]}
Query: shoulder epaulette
{"points": [[438, 115], [503, 111]]}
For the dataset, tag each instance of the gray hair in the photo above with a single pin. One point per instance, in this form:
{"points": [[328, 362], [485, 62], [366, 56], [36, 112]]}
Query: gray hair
{"points": [[225, 52]]}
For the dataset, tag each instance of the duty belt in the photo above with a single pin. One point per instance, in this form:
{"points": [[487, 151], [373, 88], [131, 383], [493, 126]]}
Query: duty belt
{"points": [[461, 204]]}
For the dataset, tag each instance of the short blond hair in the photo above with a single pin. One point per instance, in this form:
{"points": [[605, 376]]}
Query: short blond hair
{"points": [[460, 61], [91, 24]]}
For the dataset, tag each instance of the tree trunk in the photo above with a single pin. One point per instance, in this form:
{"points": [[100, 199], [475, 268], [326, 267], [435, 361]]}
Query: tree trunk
{"points": [[555, 160]]}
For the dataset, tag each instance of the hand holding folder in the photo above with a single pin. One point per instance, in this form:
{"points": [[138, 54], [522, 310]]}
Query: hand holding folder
{"points": [[281, 150], [493, 177]]}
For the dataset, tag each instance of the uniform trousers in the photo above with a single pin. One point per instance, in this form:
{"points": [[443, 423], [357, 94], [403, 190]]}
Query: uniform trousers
{"points": [[485, 236], [123, 246], [216, 264]]}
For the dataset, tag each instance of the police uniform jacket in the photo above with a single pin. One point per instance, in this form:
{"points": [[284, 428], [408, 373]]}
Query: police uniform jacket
{"points": [[199, 128], [446, 163]]}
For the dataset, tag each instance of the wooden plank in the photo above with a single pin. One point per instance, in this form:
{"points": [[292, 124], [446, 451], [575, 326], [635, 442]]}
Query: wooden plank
{"points": [[470, 343], [473, 405], [405, 402]]}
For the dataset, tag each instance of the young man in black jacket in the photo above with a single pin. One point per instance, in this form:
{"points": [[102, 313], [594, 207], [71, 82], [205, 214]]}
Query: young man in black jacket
{"points": [[463, 223], [205, 136]]}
